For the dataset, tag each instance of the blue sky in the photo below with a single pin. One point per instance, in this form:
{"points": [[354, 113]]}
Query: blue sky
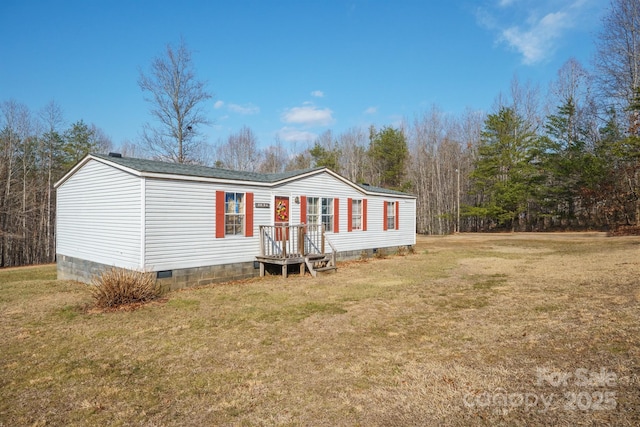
{"points": [[290, 69]]}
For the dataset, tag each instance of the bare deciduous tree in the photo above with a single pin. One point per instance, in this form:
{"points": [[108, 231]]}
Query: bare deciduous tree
{"points": [[240, 152], [274, 158], [129, 149], [53, 120], [525, 101], [573, 83], [176, 96], [300, 161], [617, 59], [353, 153]]}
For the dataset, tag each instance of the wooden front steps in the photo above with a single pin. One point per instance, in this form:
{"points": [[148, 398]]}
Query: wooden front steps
{"points": [[304, 245], [315, 263], [319, 263]]}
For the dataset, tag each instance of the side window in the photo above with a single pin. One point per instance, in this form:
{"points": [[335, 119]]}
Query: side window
{"points": [[391, 215], [327, 214], [356, 214], [234, 210]]}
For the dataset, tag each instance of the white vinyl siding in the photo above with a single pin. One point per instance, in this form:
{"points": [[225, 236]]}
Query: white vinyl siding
{"points": [[324, 184], [98, 216], [181, 221]]}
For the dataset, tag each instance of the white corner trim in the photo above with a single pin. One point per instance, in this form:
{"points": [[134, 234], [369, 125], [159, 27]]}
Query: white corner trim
{"points": [[143, 223]]}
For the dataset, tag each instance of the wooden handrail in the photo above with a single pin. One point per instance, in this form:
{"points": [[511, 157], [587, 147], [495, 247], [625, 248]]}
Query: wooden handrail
{"points": [[282, 241], [333, 251]]}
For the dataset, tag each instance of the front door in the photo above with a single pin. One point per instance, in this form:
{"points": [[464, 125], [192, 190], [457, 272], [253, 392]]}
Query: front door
{"points": [[281, 217]]}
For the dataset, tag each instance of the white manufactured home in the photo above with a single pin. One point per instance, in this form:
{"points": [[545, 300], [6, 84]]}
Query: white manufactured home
{"points": [[195, 225]]}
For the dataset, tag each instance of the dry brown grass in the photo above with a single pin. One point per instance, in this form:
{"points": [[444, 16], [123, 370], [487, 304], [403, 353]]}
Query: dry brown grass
{"points": [[406, 340]]}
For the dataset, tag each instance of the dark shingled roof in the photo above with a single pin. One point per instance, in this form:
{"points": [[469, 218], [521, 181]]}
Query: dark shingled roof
{"points": [[155, 166], [372, 189]]}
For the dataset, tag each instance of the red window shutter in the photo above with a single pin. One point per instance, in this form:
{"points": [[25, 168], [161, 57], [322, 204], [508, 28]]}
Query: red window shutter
{"points": [[397, 215], [364, 214], [336, 215], [384, 216], [303, 209], [248, 209], [349, 215], [219, 214]]}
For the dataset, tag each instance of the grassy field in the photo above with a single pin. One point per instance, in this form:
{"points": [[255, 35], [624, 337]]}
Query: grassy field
{"points": [[500, 329]]}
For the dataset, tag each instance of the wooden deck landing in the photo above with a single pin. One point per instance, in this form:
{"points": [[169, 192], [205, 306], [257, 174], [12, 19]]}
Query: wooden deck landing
{"points": [[284, 262], [286, 245]]}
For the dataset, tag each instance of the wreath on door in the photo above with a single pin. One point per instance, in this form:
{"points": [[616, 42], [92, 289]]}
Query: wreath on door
{"points": [[281, 211]]}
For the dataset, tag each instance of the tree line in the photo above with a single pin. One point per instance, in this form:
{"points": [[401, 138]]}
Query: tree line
{"points": [[36, 149], [565, 159]]}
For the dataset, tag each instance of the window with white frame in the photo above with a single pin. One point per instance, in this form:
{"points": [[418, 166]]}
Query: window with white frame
{"points": [[313, 210], [356, 214], [234, 214], [320, 211], [391, 215]]}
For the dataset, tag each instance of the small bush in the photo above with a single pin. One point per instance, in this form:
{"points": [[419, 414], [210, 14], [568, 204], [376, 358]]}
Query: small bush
{"points": [[364, 256], [116, 287], [411, 249], [401, 251]]}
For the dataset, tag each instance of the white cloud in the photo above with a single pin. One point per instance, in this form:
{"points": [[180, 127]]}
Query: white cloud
{"points": [[371, 110], [295, 135], [534, 29], [538, 41], [485, 19], [244, 109], [237, 108], [308, 115], [317, 94]]}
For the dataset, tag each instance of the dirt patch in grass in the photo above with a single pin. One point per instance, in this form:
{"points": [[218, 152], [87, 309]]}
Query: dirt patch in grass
{"points": [[498, 329]]}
